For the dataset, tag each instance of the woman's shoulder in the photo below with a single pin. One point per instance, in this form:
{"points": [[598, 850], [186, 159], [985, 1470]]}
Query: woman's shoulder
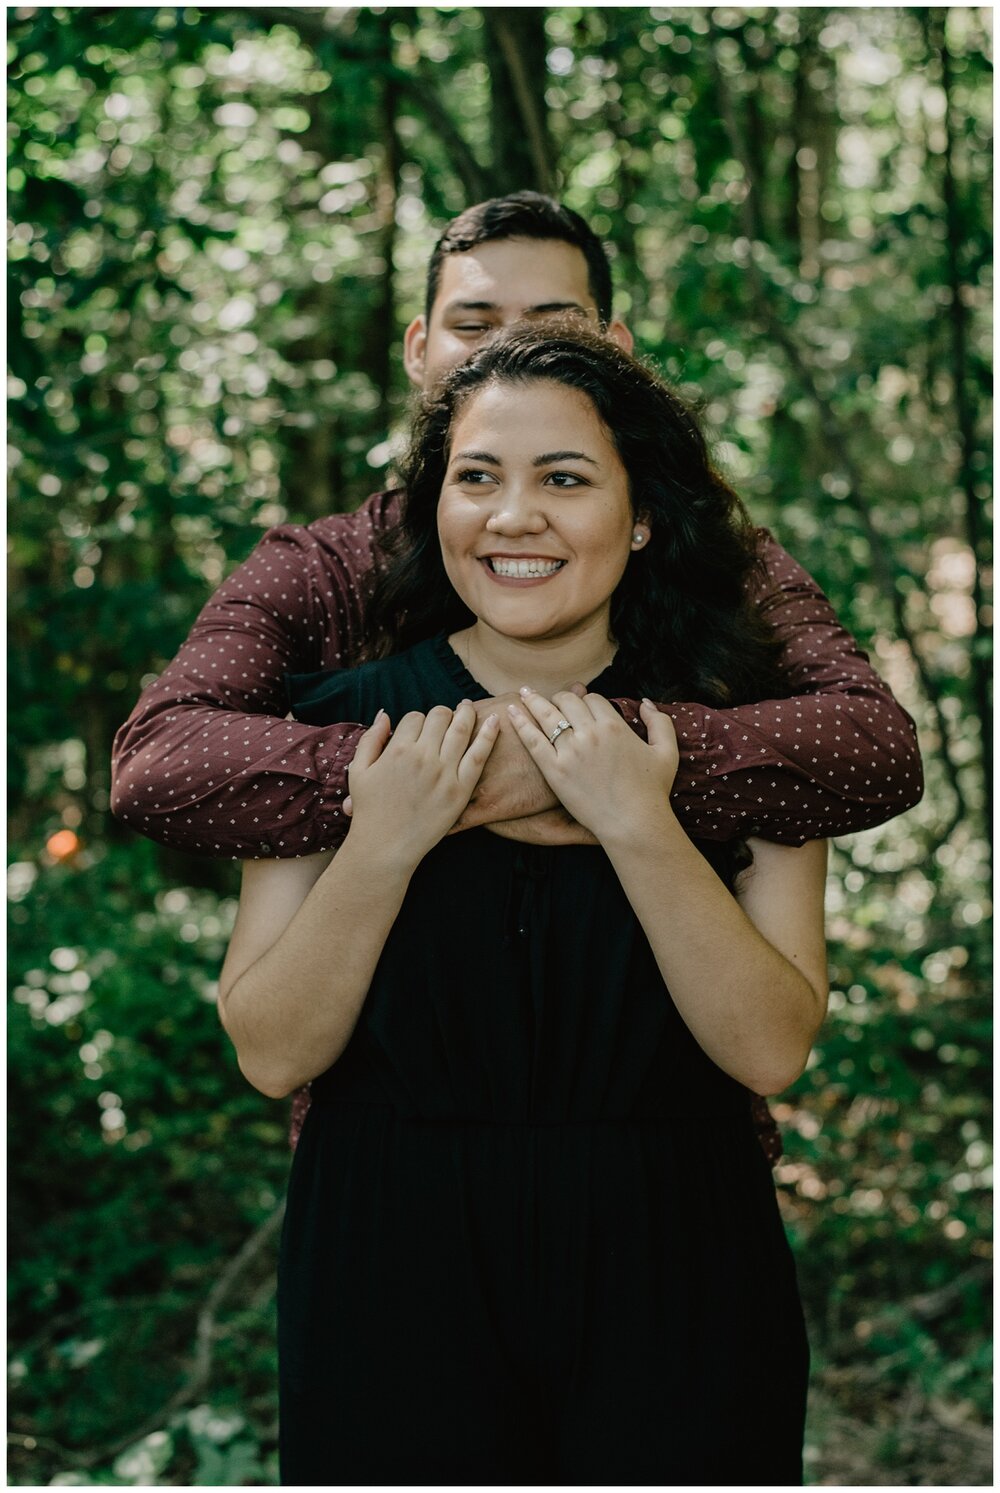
{"points": [[427, 674]]}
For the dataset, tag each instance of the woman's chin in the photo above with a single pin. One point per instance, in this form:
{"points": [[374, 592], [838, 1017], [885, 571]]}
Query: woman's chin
{"points": [[522, 630]]}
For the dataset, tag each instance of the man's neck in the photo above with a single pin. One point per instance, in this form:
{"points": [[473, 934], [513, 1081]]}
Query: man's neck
{"points": [[501, 664]]}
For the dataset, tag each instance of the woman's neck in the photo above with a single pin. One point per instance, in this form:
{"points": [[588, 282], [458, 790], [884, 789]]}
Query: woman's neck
{"points": [[502, 664]]}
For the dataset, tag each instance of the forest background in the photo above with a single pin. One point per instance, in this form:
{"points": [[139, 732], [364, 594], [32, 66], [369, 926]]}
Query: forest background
{"points": [[219, 221]]}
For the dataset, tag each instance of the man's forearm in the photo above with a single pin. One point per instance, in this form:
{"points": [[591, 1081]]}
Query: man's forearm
{"points": [[206, 762], [228, 784], [792, 770], [553, 827], [837, 756]]}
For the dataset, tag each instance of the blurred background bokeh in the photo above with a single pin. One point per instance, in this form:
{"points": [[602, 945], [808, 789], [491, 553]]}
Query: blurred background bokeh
{"points": [[218, 226]]}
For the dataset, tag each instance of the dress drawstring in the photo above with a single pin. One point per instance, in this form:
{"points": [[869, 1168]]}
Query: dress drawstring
{"points": [[529, 872]]}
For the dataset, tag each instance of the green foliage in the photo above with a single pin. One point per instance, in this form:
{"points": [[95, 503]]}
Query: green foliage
{"points": [[140, 1159], [219, 222], [888, 1172]]}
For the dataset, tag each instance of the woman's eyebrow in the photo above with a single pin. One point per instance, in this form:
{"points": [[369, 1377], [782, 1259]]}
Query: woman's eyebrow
{"points": [[550, 456], [494, 461], [546, 459]]}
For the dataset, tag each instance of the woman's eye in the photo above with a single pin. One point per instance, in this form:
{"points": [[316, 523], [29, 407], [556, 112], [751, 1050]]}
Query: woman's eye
{"points": [[475, 327], [565, 479], [471, 475]]}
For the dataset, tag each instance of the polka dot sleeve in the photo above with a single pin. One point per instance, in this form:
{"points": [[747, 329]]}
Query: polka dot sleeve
{"points": [[840, 755], [206, 762]]}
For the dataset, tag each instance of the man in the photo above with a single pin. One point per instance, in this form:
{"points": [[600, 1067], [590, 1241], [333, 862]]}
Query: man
{"points": [[207, 762]]}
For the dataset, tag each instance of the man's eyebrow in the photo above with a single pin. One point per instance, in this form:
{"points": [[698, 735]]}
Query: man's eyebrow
{"points": [[543, 307], [551, 456], [546, 306], [453, 306]]}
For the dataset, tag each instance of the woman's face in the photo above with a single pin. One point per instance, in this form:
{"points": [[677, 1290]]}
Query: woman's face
{"points": [[535, 518]]}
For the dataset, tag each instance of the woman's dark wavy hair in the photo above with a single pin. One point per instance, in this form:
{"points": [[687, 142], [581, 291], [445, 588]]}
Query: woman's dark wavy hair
{"points": [[680, 615]]}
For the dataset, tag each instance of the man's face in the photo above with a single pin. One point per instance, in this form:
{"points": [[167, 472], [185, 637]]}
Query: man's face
{"points": [[491, 286]]}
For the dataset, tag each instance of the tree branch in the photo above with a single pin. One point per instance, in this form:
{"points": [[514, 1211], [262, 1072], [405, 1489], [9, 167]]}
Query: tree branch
{"points": [[421, 89], [203, 1350], [926, 1306], [317, 27]]}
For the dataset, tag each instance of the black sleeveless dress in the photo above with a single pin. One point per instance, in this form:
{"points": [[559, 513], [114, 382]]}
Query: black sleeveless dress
{"points": [[531, 1236]]}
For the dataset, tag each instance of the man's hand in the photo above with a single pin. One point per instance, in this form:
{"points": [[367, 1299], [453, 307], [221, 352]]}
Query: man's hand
{"points": [[554, 827], [511, 786]]}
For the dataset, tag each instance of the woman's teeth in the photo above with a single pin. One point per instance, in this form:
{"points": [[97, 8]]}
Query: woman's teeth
{"points": [[523, 568]]}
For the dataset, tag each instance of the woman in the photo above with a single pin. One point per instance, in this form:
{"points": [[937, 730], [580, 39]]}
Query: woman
{"points": [[530, 1234]]}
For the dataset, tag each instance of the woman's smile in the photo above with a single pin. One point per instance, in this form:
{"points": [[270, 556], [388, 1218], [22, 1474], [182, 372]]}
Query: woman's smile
{"points": [[521, 570]]}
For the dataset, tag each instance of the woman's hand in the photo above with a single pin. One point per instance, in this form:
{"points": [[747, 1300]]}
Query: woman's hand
{"points": [[605, 776], [409, 786]]}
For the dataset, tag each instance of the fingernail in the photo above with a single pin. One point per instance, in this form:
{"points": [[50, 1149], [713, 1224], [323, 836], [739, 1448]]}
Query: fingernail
{"points": [[378, 713], [524, 690], [512, 710], [492, 719]]}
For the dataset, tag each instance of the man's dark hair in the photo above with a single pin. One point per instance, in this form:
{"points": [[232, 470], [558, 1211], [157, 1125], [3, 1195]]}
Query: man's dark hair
{"points": [[524, 215], [680, 615]]}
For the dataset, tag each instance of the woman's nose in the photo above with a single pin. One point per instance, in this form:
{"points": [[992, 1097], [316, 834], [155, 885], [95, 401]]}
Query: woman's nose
{"points": [[516, 512]]}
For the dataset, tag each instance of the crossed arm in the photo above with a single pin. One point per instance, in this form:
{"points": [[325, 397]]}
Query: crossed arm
{"points": [[208, 763]]}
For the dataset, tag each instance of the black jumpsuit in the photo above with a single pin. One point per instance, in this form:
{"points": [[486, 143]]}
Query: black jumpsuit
{"points": [[531, 1236]]}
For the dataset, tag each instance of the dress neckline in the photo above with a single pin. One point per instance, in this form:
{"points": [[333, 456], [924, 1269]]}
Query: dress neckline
{"points": [[455, 668], [609, 682]]}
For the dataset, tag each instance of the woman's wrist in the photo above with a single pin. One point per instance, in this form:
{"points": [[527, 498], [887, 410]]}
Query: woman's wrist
{"points": [[655, 825], [382, 852]]}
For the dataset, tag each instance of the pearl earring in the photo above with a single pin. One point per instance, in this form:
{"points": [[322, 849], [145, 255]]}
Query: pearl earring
{"points": [[638, 537]]}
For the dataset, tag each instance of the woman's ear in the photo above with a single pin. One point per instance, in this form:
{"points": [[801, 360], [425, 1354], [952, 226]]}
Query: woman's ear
{"points": [[641, 532]]}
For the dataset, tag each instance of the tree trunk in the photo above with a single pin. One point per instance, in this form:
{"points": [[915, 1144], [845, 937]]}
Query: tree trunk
{"points": [[810, 128], [515, 55], [376, 350], [976, 537]]}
